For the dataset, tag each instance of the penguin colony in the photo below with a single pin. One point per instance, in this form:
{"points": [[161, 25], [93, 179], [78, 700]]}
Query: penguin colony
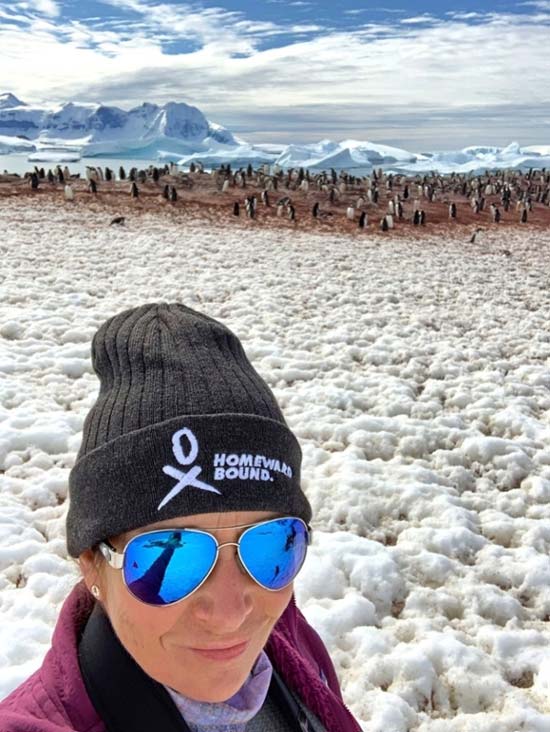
{"points": [[382, 201]]}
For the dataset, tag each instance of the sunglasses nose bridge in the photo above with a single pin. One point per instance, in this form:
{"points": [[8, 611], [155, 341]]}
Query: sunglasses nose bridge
{"points": [[228, 543]]}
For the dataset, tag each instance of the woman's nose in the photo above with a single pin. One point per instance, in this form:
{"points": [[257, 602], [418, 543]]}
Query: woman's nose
{"points": [[226, 598]]}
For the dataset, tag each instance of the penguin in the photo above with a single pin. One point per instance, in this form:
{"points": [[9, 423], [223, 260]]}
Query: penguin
{"points": [[473, 237], [452, 210], [496, 216], [362, 220], [51, 177], [192, 169], [108, 175], [406, 192], [34, 181], [523, 217], [315, 210], [156, 175], [360, 202], [173, 194], [117, 221], [399, 210], [92, 186], [280, 208], [249, 205], [350, 213], [332, 195], [291, 212], [265, 198], [166, 192], [60, 176], [66, 173], [422, 218], [391, 207], [389, 219], [121, 173], [69, 193], [384, 224], [225, 185], [416, 217], [236, 209], [134, 191]]}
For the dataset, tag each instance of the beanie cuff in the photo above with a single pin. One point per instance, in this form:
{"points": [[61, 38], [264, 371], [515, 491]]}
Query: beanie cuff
{"points": [[182, 467]]}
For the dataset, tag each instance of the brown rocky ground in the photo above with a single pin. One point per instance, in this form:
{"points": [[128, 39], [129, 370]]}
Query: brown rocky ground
{"points": [[199, 197]]}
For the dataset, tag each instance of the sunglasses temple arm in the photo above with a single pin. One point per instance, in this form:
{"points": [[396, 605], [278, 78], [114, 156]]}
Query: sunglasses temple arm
{"points": [[112, 557]]}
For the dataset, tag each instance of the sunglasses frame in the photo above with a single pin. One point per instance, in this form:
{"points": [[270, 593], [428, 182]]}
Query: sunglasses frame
{"points": [[115, 559]]}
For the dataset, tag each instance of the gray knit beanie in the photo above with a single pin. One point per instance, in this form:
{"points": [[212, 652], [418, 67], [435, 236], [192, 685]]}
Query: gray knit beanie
{"points": [[182, 425]]}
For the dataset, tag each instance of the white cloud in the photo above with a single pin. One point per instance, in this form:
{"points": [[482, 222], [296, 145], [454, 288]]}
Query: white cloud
{"points": [[398, 81], [419, 19], [43, 7]]}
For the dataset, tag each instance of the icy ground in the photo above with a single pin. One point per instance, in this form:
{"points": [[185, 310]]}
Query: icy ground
{"points": [[415, 374]]}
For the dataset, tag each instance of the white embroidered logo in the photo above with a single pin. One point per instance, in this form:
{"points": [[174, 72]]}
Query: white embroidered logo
{"points": [[188, 478]]}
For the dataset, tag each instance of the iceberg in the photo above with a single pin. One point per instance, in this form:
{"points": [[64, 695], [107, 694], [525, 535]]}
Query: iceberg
{"points": [[96, 129], [180, 132]]}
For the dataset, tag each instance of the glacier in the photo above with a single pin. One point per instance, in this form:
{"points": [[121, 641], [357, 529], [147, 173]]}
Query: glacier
{"points": [[180, 132]]}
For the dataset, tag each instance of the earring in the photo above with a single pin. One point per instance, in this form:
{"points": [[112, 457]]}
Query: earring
{"points": [[96, 592]]}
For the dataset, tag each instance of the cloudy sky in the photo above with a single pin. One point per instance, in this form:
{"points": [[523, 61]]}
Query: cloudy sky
{"points": [[424, 75]]}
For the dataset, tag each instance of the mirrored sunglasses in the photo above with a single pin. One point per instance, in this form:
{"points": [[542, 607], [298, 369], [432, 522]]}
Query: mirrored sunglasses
{"points": [[165, 566]]}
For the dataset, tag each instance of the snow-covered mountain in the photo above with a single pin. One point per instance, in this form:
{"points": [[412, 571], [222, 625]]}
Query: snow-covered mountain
{"points": [[96, 129], [180, 132]]}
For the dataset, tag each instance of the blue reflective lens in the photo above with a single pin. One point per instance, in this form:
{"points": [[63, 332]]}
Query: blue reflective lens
{"points": [[164, 566], [274, 552]]}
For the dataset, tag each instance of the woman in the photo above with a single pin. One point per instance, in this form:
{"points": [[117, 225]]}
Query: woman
{"points": [[189, 523]]}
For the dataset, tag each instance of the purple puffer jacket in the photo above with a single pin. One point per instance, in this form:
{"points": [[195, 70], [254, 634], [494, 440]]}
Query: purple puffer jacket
{"points": [[54, 698]]}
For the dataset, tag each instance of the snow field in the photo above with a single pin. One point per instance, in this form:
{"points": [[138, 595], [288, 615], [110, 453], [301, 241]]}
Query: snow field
{"points": [[415, 374]]}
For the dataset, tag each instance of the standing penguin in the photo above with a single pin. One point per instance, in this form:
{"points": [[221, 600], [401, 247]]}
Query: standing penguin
{"points": [[422, 218], [416, 217], [363, 220], [236, 209], [291, 212], [265, 198], [34, 181], [350, 213], [452, 211], [92, 186], [173, 194], [523, 217], [166, 192], [121, 173], [315, 210], [384, 224], [250, 208], [134, 191], [69, 193]]}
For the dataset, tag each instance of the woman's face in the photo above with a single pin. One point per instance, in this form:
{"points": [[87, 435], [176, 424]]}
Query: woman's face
{"points": [[181, 645]]}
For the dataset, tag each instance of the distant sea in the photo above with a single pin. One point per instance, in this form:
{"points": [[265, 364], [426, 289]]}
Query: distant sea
{"points": [[18, 163]]}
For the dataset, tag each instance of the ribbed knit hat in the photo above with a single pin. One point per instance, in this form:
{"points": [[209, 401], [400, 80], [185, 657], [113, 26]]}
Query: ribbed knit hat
{"points": [[182, 425]]}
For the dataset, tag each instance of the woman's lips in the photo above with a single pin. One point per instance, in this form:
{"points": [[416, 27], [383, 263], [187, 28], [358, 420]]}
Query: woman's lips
{"points": [[222, 654]]}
